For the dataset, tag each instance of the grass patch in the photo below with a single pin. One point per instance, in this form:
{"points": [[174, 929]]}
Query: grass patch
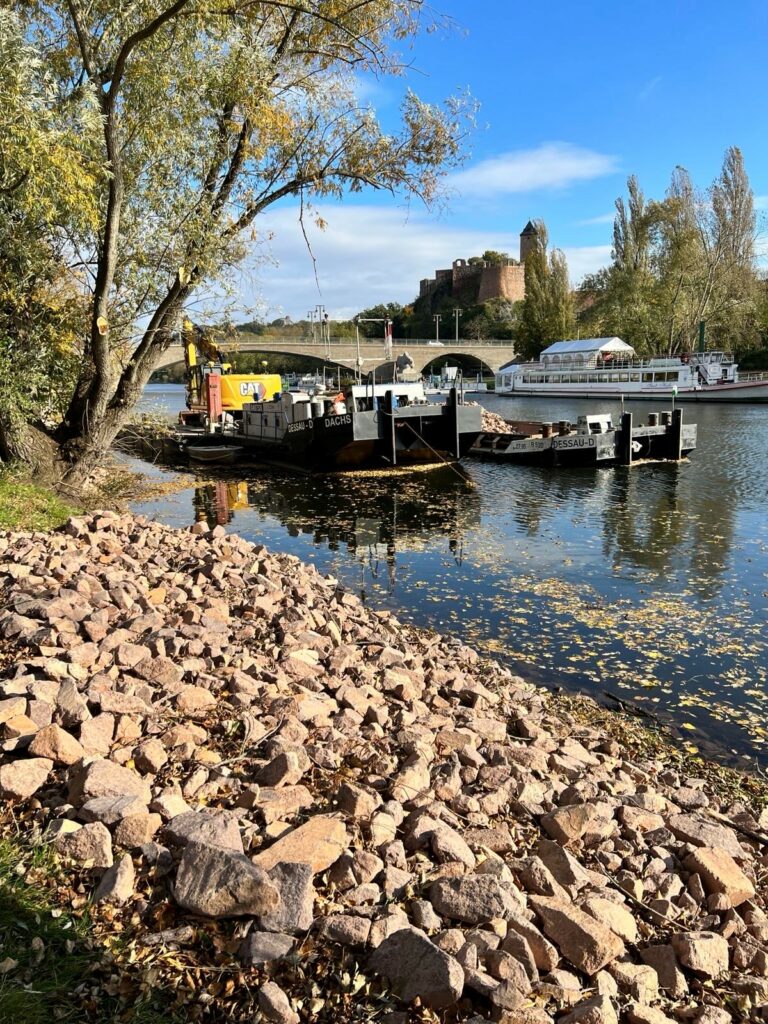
{"points": [[54, 965], [26, 506], [48, 945]]}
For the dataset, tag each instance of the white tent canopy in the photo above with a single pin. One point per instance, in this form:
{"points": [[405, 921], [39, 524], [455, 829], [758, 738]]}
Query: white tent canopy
{"points": [[587, 347]]}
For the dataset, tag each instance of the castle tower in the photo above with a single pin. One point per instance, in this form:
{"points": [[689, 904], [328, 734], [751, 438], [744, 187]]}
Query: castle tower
{"points": [[528, 237]]}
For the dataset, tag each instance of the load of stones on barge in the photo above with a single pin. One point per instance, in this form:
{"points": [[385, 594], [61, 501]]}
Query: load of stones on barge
{"points": [[220, 743]]}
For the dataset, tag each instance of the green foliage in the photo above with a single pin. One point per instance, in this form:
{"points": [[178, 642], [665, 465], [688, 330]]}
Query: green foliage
{"points": [[686, 258], [383, 311], [46, 177], [547, 312], [492, 256]]}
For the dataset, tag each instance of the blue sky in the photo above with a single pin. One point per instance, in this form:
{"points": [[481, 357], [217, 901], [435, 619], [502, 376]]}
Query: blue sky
{"points": [[573, 98]]}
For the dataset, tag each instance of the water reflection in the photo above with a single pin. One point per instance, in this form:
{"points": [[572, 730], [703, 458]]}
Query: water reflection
{"points": [[370, 517], [654, 522]]}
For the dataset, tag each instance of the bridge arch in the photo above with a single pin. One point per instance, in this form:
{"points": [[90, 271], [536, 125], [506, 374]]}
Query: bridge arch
{"points": [[470, 364]]}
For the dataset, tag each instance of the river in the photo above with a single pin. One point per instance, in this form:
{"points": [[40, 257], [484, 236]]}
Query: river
{"points": [[649, 583]]}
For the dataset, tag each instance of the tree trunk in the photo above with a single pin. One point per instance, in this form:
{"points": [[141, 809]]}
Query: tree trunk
{"points": [[86, 451], [31, 445], [86, 447]]}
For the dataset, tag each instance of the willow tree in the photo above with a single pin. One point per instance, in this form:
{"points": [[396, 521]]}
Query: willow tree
{"points": [[42, 307], [208, 115]]}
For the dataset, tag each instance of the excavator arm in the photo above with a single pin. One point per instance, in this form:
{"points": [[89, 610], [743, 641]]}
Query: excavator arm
{"points": [[198, 343], [201, 354], [202, 358]]}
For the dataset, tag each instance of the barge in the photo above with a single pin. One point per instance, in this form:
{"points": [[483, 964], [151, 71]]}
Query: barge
{"points": [[593, 441], [389, 424]]}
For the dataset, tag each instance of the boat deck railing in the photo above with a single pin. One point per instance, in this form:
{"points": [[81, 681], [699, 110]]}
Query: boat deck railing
{"points": [[612, 364], [759, 375]]}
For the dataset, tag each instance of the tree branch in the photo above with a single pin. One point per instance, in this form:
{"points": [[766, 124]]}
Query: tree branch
{"points": [[82, 41], [140, 36]]}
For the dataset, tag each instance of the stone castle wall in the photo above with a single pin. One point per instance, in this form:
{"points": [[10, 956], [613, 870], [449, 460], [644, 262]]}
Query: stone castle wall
{"points": [[502, 282], [490, 280]]}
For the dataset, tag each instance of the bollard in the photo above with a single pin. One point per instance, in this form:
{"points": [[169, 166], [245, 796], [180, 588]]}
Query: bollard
{"points": [[625, 443]]}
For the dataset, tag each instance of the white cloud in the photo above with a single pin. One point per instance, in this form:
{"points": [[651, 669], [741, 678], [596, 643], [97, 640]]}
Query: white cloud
{"points": [[761, 202], [553, 165], [370, 254], [586, 259], [369, 90], [603, 218]]}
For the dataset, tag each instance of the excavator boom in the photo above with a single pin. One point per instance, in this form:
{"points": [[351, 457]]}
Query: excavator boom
{"points": [[203, 357]]}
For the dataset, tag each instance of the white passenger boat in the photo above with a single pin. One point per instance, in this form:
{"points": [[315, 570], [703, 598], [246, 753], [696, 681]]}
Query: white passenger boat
{"points": [[609, 368]]}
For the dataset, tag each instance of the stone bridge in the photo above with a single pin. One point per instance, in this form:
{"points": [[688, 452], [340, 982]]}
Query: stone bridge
{"points": [[485, 356]]}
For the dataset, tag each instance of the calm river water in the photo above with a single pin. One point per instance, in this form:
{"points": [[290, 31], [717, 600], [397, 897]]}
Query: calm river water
{"points": [[650, 584]]}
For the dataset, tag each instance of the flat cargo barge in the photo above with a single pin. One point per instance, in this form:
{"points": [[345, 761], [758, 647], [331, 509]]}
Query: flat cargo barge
{"points": [[390, 424], [593, 441]]}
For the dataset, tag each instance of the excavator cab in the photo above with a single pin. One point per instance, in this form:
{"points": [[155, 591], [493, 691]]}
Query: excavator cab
{"points": [[203, 358]]}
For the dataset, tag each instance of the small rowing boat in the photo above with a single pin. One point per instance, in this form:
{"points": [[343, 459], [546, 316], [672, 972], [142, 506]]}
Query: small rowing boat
{"points": [[214, 454]]}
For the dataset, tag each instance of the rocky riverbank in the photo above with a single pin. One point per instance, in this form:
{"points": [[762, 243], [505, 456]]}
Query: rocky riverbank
{"points": [[243, 766]]}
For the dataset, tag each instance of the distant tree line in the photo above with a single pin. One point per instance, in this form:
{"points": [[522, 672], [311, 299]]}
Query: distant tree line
{"points": [[687, 259]]}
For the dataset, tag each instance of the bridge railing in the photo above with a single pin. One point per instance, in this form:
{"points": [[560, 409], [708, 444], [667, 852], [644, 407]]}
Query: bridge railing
{"points": [[266, 339]]}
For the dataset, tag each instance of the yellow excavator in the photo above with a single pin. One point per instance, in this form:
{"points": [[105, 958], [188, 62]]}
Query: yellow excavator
{"points": [[203, 358]]}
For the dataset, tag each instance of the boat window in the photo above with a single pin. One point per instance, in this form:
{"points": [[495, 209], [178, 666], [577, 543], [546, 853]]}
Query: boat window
{"points": [[624, 377], [647, 377], [634, 376]]}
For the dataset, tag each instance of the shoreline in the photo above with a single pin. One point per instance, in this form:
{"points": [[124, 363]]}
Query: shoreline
{"points": [[238, 698]]}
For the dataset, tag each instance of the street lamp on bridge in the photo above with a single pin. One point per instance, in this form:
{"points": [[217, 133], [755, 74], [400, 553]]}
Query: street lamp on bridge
{"points": [[456, 314], [437, 318], [325, 328]]}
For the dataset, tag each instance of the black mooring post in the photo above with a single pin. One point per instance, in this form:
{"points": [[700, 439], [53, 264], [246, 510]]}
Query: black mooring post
{"points": [[625, 454], [675, 432], [453, 398], [390, 400]]}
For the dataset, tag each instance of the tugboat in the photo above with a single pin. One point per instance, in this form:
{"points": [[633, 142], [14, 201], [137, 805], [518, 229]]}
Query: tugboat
{"points": [[389, 424]]}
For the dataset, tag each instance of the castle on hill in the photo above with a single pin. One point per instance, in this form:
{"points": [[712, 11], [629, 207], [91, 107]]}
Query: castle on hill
{"points": [[480, 281]]}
